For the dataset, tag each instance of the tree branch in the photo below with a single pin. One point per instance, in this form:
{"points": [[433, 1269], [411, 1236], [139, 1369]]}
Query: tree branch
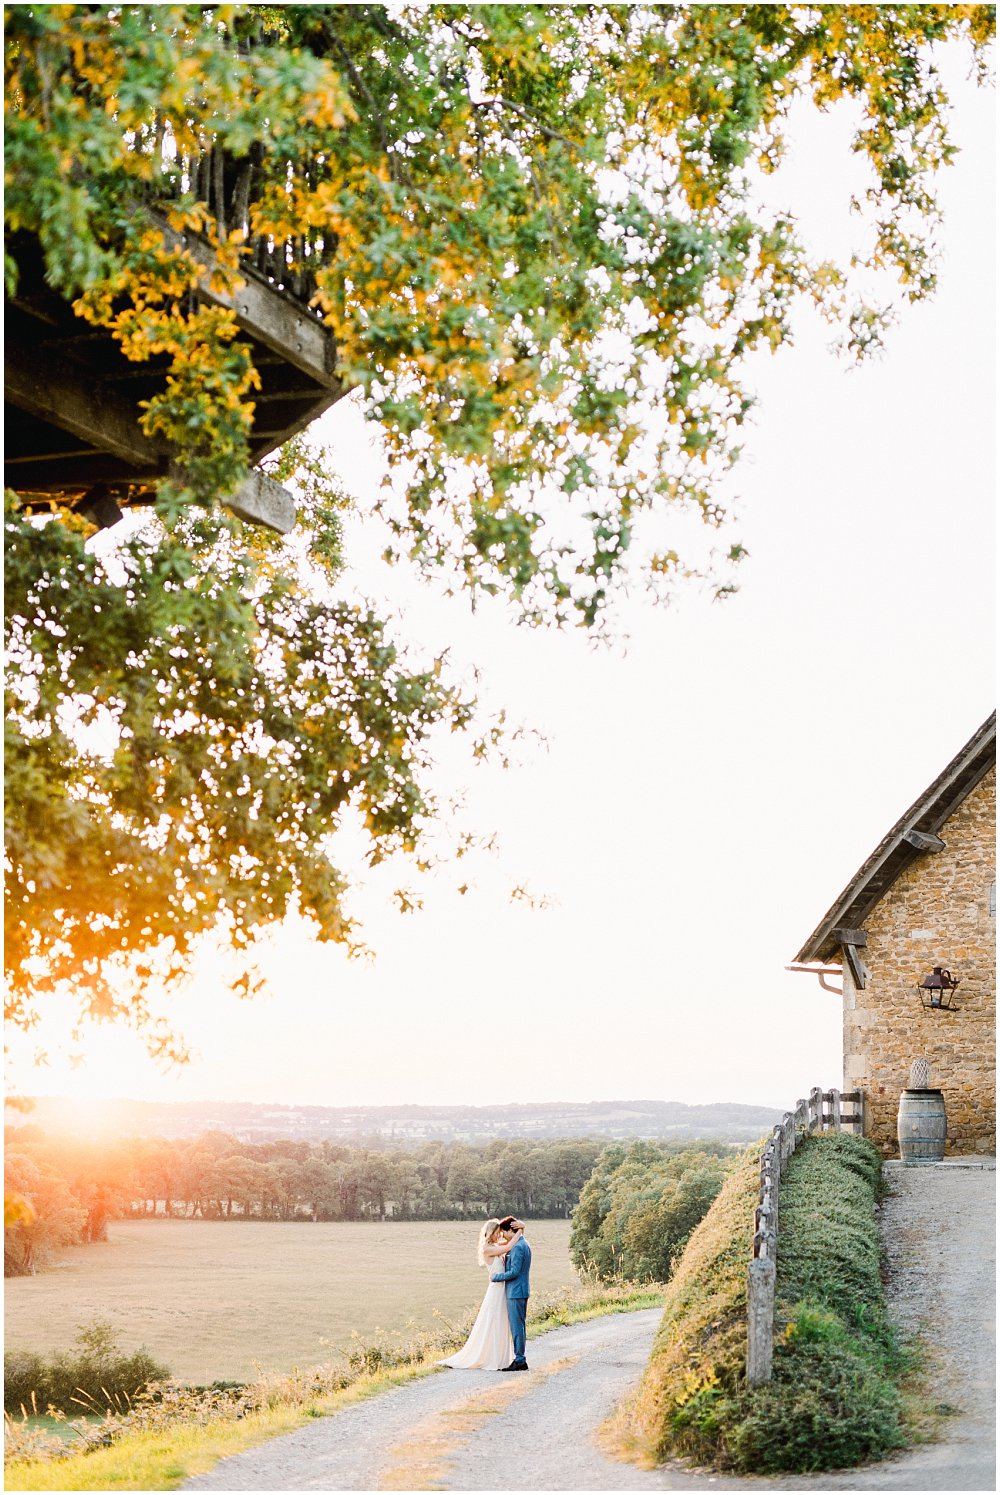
{"points": [[525, 114]]}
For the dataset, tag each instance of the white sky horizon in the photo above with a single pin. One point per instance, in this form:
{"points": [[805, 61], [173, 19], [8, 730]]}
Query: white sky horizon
{"points": [[703, 797]]}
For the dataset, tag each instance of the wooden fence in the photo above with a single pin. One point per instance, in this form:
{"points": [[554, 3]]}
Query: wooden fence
{"points": [[823, 1111]]}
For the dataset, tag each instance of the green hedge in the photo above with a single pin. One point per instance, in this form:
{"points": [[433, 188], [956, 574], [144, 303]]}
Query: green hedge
{"points": [[833, 1399]]}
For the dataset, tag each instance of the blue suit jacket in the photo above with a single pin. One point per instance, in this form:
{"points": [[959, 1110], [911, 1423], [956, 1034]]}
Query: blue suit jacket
{"points": [[516, 1275]]}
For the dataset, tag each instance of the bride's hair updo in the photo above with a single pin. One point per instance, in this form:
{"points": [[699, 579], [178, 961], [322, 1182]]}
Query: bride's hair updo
{"points": [[484, 1236]]}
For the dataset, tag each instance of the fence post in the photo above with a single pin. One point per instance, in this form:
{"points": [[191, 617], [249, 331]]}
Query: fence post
{"points": [[815, 1109], [787, 1137], [762, 1270], [835, 1120], [760, 1319]]}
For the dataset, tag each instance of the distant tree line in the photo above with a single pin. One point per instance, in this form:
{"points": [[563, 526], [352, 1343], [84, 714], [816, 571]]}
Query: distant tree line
{"points": [[641, 1203], [75, 1188]]}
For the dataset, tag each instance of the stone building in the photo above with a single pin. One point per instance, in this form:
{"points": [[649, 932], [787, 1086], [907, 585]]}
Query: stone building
{"points": [[925, 897]]}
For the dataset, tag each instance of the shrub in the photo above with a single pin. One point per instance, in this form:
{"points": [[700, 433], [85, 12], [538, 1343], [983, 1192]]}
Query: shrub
{"points": [[23, 1380], [97, 1376], [827, 1407]]}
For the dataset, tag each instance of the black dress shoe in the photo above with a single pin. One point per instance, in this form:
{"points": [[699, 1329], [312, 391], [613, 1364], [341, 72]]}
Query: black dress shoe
{"points": [[516, 1365]]}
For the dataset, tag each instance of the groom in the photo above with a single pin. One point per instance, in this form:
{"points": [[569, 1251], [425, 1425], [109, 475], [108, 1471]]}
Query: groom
{"points": [[515, 1274]]}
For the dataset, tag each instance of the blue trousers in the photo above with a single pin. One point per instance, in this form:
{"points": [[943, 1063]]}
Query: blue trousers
{"points": [[517, 1312]]}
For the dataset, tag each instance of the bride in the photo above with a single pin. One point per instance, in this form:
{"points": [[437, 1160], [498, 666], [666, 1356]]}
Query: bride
{"points": [[489, 1346]]}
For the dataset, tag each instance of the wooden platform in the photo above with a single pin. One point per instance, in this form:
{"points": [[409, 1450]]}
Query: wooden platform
{"points": [[72, 400]]}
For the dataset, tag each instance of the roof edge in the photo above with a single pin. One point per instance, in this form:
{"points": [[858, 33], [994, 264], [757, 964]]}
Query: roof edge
{"points": [[893, 854]]}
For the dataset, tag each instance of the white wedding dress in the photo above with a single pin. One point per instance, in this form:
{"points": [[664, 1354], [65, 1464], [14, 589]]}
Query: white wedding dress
{"points": [[489, 1346]]}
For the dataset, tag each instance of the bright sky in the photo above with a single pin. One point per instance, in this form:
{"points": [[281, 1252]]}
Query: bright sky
{"points": [[703, 796]]}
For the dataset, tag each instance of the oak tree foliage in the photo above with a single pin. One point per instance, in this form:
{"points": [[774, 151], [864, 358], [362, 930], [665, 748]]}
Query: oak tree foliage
{"points": [[185, 729], [535, 234]]}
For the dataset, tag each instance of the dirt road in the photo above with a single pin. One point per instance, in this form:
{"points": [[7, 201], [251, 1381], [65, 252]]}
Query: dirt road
{"points": [[476, 1430]]}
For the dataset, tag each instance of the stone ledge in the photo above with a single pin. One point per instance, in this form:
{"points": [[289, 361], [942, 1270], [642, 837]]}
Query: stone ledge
{"points": [[982, 1165]]}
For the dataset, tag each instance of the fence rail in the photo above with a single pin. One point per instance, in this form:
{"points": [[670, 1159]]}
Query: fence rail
{"points": [[823, 1111]]}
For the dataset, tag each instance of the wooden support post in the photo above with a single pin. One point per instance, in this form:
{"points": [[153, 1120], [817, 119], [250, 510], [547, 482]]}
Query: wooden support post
{"points": [[760, 1320]]}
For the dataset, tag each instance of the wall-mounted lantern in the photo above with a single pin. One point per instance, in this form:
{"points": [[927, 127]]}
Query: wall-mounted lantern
{"points": [[936, 989]]}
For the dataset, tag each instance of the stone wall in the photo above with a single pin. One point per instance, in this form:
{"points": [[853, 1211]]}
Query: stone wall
{"points": [[938, 912]]}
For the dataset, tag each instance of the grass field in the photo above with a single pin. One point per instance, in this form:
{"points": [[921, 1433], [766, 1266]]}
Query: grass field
{"points": [[213, 1300]]}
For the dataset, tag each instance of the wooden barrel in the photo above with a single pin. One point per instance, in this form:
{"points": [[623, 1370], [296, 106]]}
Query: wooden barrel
{"points": [[921, 1127]]}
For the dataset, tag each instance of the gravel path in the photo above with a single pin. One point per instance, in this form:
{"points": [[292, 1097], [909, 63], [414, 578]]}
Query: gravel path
{"points": [[422, 1433], [475, 1430], [939, 1230]]}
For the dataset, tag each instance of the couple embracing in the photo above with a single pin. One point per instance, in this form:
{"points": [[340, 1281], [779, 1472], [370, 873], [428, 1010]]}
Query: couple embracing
{"points": [[497, 1338]]}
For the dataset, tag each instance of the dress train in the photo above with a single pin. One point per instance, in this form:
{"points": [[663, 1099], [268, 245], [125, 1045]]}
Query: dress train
{"points": [[489, 1345]]}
